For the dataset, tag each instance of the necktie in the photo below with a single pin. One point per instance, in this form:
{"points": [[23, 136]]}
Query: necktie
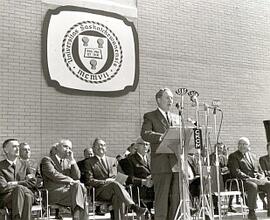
{"points": [[103, 163], [14, 170], [248, 158], [61, 163], [167, 117]]}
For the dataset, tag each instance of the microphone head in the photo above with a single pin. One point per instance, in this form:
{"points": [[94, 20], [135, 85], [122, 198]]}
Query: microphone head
{"points": [[193, 95], [181, 91], [177, 105]]}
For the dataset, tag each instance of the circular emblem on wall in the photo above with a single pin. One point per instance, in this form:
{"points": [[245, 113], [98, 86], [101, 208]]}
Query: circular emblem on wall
{"points": [[92, 52]]}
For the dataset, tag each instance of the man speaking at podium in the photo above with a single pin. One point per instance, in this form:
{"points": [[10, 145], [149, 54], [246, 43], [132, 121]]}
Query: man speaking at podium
{"points": [[163, 166]]}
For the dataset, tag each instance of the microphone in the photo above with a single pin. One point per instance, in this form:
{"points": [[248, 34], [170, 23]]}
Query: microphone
{"points": [[215, 108], [177, 105], [181, 91], [216, 103]]}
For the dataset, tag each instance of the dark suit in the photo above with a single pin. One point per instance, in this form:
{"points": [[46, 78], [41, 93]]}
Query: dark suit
{"points": [[18, 198], [82, 169], [265, 165], [138, 169], [96, 175], [242, 168], [57, 178], [163, 166]]}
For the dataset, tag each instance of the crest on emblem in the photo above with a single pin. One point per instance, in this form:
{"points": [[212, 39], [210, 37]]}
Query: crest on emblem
{"points": [[93, 52], [90, 50]]}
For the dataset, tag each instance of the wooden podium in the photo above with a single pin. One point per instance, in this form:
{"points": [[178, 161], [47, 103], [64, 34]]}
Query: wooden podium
{"points": [[171, 145]]}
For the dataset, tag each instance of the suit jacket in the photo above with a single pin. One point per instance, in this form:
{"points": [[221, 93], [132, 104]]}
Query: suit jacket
{"points": [[137, 169], [82, 169], [240, 167], [96, 174], [56, 177], [7, 175], [154, 126], [265, 164]]}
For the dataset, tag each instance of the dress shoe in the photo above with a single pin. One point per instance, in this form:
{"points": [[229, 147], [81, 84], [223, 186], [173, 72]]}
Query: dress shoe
{"points": [[112, 214], [231, 209], [138, 210], [252, 215], [99, 211], [57, 214]]}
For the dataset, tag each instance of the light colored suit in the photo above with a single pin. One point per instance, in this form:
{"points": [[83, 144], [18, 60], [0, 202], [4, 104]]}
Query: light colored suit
{"points": [[96, 175], [165, 176], [57, 179]]}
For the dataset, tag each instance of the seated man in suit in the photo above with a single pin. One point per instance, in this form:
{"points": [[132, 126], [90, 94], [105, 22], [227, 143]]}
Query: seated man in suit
{"points": [[61, 177], [101, 171], [25, 154], [16, 182], [139, 174], [265, 165], [88, 152], [242, 165]]}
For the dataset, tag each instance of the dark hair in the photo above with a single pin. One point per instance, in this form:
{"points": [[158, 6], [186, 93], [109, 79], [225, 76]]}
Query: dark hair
{"points": [[23, 144], [86, 149], [161, 92], [5, 143]]}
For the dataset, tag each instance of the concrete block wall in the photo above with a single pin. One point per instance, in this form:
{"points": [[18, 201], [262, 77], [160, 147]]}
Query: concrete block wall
{"points": [[219, 48]]}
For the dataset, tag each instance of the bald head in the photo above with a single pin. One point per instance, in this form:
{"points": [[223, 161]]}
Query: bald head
{"points": [[243, 144]]}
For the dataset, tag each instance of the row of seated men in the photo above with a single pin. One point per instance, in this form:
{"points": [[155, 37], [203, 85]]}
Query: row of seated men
{"points": [[242, 165], [61, 177]]}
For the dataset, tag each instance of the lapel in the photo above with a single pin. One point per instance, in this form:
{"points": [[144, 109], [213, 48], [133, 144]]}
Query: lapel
{"points": [[162, 119], [250, 165], [141, 161], [10, 169], [102, 167], [56, 163], [251, 162]]}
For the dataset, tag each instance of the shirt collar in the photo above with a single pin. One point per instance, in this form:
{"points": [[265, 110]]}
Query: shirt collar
{"points": [[140, 155], [12, 162], [163, 112], [103, 158], [58, 158]]}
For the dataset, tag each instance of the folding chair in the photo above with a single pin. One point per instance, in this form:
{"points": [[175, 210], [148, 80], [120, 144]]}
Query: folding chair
{"points": [[238, 192]]}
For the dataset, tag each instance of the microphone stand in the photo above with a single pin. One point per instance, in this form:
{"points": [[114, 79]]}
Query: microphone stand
{"points": [[208, 159], [217, 163], [205, 207], [183, 182]]}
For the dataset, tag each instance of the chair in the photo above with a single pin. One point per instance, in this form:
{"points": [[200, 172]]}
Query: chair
{"points": [[92, 200], [5, 213], [238, 192]]}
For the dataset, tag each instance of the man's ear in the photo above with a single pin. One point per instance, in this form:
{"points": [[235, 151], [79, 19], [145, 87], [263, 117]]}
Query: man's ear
{"points": [[5, 151]]}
